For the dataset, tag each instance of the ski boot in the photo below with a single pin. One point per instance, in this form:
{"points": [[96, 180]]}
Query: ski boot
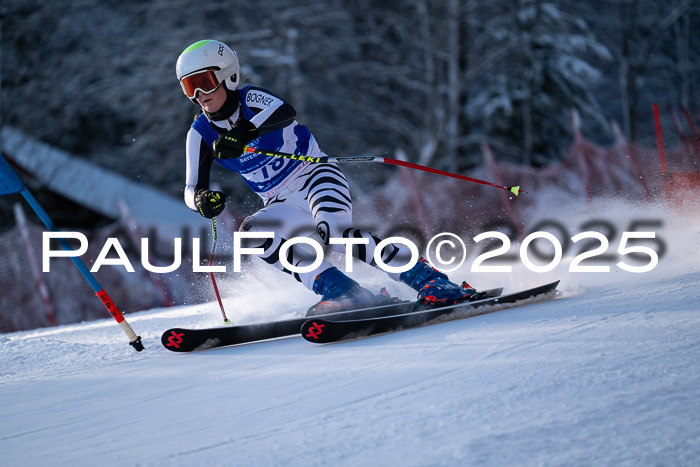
{"points": [[434, 288], [340, 293]]}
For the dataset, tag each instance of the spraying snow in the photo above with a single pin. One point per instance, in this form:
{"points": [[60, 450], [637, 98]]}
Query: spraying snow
{"points": [[605, 374]]}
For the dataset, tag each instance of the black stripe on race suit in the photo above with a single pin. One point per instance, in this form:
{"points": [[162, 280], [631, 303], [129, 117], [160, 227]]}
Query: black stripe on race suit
{"points": [[331, 210], [315, 182], [323, 200], [274, 258], [327, 191], [327, 169], [391, 256], [324, 168], [360, 251]]}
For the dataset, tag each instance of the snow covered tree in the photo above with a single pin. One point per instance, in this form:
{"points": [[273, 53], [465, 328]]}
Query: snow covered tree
{"points": [[547, 61], [642, 25], [409, 86], [431, 79]]}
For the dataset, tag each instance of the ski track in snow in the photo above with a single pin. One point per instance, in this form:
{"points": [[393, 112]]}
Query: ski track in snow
{"points": [[607, 373]]}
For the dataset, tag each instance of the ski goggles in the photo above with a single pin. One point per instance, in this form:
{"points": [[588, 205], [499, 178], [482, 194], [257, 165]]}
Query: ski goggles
{"points": [[204, 81]]}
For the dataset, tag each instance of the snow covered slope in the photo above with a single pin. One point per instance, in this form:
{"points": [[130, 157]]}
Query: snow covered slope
{"points": [[608, 373]]}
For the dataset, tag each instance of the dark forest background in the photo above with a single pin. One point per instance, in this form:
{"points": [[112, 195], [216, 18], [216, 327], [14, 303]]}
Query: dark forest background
{"points": [[428, 79]]}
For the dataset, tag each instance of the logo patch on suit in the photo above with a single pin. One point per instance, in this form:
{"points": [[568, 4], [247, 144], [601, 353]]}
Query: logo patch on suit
{"points": [[323, 231]]}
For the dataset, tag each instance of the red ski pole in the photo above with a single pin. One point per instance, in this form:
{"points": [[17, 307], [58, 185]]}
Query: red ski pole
{"points": [[211, 273], [385, 160], [11, 183]]}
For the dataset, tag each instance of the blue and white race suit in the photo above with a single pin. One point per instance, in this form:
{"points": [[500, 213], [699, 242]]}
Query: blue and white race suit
{"points": [[300, 198]]}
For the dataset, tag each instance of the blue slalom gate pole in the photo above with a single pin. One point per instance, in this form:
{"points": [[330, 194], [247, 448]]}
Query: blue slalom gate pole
{"points": [[10, 183]]}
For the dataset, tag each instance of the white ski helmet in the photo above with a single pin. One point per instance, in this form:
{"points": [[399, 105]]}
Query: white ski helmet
{"points": [[209, 54]]}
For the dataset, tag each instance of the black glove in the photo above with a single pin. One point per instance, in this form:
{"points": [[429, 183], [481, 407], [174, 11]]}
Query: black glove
{"points": [[209, 203], [231, 143]]}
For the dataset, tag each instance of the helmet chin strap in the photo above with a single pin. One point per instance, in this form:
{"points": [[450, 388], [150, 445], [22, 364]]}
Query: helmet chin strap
{"points": [[226, 110]]}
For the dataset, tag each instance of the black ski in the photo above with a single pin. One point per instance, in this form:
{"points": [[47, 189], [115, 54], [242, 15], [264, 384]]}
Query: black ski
{"points": [[322, 330], [187, 340]]}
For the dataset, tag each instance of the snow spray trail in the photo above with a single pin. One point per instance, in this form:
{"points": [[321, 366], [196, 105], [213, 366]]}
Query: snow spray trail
{"points": [[260, 293]]}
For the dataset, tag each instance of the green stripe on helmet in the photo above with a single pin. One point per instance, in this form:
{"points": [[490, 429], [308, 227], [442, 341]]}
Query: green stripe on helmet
{"points": [[196, 45]]}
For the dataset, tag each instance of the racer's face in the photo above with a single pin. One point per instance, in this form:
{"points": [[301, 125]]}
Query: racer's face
{"points": [[213, 101]]}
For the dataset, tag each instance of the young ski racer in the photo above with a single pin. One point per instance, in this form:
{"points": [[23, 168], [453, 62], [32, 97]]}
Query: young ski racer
{"points": [[295, 193]]}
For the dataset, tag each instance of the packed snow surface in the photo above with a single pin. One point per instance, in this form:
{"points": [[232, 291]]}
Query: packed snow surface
{"points": [[606, 373]]}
